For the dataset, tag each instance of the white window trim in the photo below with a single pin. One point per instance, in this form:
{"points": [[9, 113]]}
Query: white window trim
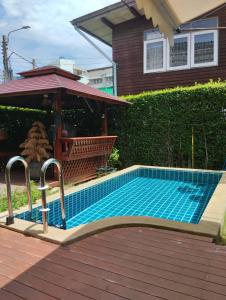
{"points": [[145, 55], [184, 67], [215, 52], [191, 64]]}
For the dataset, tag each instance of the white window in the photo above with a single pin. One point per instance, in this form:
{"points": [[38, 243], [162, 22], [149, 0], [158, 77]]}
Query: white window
{"points": [[178, 56], [191, 50], [154, 55], [109, 79], [96, 80], [204, 48]]}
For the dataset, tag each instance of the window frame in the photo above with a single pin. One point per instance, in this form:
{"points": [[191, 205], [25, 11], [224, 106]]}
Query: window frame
{"points": [[191, 54], [92, 80], [164, 55], [188, 65], [215, 49]]}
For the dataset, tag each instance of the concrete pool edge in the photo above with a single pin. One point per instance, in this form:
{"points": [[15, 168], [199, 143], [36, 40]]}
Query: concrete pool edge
{"points": [[64, 237], [209, 225]]}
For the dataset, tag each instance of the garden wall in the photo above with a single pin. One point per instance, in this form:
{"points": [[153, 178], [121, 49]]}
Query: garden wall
{"points": [[157, 128]]}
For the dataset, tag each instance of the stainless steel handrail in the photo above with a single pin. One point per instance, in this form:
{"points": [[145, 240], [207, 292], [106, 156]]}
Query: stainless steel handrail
{"points": [[10, 218], [43, 189]]}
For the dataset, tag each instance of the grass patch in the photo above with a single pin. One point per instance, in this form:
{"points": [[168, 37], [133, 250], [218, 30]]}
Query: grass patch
{"points": [[223, 232], [19, 198]]}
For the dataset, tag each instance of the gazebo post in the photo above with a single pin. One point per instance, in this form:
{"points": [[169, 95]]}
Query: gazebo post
{"points": [[104, 120], [58, 124]]}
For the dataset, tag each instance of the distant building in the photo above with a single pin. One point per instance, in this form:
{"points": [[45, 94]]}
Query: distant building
{"points": [[101, 79], [69, 65]]}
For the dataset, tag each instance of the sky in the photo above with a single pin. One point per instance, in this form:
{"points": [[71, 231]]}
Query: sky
{"points": [[51, 35]]}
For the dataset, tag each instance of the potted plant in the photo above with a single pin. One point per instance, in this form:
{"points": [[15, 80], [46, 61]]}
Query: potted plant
{"points": [[112, 165], [36, 148]]}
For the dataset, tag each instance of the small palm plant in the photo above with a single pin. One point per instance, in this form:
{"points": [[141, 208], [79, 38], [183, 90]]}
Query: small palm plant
{"points": [[36, 148]]}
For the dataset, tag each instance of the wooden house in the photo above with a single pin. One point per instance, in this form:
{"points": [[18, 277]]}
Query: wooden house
{"points": [[145, 60]]}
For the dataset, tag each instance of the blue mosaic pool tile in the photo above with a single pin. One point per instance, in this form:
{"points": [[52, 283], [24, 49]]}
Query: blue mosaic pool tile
{"points": [[182, 175], [178, 195]]}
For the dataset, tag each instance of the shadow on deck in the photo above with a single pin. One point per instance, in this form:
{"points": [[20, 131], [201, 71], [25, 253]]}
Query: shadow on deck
{"points": [[123, 263]]}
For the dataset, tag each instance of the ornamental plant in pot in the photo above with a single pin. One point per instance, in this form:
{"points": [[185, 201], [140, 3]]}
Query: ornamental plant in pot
{"points": [[36, 148]]}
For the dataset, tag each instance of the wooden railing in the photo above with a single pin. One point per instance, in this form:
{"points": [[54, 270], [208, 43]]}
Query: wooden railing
{"points": [[86, 147]]}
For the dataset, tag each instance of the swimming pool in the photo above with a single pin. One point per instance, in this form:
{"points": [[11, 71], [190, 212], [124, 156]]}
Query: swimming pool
{"points": [[177, 195]]}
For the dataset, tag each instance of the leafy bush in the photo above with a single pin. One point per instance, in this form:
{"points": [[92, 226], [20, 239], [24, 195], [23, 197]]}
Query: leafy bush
{"points": [[157, 128], [19, 198], [17, 122], [114, 159]]}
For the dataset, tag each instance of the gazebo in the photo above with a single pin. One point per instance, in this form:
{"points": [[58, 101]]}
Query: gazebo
{"points": [[59, 90]]}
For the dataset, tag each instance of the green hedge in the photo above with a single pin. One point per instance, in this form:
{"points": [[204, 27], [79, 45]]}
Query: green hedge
{"points": [[157, 128], [18, 121]]}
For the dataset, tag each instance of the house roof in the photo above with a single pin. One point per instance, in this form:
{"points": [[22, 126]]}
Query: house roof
{"points": [[101, 22], [48, 70], [50, 80], [97, 69]]}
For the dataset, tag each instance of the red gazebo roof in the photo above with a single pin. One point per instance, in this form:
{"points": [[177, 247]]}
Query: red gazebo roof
{"points": [[51, 79]]}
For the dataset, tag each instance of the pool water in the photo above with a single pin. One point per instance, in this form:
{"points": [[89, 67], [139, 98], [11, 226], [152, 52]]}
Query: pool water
{"points": [[174, 195]]}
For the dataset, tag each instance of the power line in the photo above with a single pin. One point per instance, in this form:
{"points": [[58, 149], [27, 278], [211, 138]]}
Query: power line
{"points": [[25, 59]]}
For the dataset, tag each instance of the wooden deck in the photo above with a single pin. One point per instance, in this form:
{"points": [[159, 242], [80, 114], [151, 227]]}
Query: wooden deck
{"points": [[125, 263]]}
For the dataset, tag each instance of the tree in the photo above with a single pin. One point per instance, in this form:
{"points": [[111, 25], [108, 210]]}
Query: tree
{"points": [[36, 146]]}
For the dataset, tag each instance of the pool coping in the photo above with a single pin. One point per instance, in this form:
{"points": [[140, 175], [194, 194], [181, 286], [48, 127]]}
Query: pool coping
{"points": [[210, 224]]}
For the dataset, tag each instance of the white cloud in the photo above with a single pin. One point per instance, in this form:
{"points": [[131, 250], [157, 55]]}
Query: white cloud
{"points": [[51, 34]]}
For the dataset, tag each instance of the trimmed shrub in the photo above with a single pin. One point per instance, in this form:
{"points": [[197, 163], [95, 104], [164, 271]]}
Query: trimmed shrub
{"points": [[157, 128], [17, 122]]}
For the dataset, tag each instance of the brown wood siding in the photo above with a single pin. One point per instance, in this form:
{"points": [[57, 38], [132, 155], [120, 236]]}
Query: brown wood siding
{"points": [[128, 53]]}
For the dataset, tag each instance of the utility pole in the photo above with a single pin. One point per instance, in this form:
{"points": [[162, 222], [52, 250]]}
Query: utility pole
{"points": [[6, 72], [33, 63]]}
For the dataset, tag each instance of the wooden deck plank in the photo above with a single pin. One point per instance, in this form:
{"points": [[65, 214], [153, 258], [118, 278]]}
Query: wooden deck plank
{"points": [[4, 295], [132, 279], [189, 279], [94, 281], [26, 292], [157, 277], [87, 290], [48, 288], [158, 254], [151, 262], [169, 238], [124, 263], [173, 234], [178, 248], [162, 249]]}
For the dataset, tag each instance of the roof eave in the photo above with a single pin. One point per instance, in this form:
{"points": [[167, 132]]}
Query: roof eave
{"points": [[92, 34], [98, 98], [97, 13], [24, 93], [102, 13]]}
